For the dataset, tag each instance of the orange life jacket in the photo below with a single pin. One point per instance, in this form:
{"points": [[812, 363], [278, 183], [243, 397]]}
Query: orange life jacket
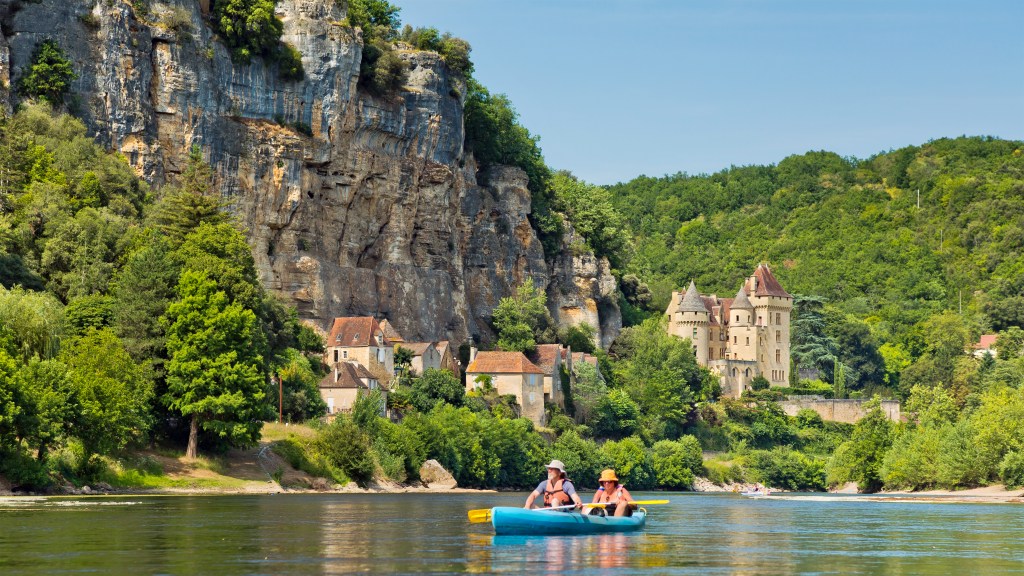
{"points": [[554, 495]]}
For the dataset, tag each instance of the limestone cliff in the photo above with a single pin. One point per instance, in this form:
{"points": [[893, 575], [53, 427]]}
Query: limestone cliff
{"points": [[353, 204]]}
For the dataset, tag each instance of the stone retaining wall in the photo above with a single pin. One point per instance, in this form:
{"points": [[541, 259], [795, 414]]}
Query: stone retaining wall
{"points": [[848, 411]]}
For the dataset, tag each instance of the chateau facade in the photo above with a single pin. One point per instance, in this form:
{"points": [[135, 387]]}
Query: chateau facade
{"points": [[737, 338]]}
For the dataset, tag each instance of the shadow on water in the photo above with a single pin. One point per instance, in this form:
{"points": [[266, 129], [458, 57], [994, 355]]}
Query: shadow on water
{"points": [[411, 533]]}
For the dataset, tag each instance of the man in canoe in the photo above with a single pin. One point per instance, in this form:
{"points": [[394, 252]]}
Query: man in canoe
{"points": [[613, 494], [557, 489]]}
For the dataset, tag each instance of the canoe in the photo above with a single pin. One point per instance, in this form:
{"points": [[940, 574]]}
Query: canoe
{"points": [[523, 522]]}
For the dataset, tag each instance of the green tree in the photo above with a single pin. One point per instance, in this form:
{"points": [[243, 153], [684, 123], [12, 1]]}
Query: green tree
{"points": [[434, 387], [860, 458], [113, 392], [47, 401], [248, 27], [299, 386], [33, 321], [50, 75], [676, 463], [192, 202], [631, 461], [587, 391], [213, 374], [617, 415], [521, 318]]}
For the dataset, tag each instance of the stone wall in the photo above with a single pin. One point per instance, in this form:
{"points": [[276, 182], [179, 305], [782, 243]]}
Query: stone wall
{"points": [[847, 411]]}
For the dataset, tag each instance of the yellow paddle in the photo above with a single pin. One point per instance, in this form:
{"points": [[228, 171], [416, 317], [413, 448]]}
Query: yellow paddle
{"points": [[484, 514]]}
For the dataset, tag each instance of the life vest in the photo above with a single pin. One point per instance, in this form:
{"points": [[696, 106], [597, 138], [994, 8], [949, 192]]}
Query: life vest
{"points": [[554, 495]]}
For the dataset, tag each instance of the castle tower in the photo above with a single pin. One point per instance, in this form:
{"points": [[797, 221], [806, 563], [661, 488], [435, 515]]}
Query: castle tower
{"points": [[742, 331], [773, 307], [690, 320]]}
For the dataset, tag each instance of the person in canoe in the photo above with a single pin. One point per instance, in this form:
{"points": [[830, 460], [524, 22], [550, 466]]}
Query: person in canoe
{"points": [[557, 490], [613, 494]]}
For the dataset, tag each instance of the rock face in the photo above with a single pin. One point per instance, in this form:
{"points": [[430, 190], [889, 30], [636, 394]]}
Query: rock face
{"points": [[353, 204], [435, 476]]}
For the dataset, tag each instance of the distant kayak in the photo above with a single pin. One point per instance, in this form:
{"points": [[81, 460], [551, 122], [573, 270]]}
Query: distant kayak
{"points": [[756, 494], [523, 522]]}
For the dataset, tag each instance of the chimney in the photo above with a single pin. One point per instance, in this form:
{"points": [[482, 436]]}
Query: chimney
{"points": [[472, 352], [335, 373]]}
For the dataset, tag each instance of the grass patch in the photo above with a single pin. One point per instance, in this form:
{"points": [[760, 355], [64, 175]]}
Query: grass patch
{"points": [[301, 454], [272, 431]]}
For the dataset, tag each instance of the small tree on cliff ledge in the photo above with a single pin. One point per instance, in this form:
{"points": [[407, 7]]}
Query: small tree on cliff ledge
{"points": [[213, 375]]}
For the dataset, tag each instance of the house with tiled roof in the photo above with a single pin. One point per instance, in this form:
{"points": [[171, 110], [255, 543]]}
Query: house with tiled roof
{"points": [[548, 357], [738, 338], [510, 373], [343, 385], [424, 356], [986, 344], [361, 338]]}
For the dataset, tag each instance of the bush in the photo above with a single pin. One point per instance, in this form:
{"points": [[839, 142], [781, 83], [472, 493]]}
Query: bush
{"points": [[454, 51], [807, 418], [50, 74], [289, 65], [631, 462], [381, 70], [178, 20], [676, 462], [434, 387], [582, 459], [759, 383], [347, 448], [722, 473], [783, 467], [1011, 470]]}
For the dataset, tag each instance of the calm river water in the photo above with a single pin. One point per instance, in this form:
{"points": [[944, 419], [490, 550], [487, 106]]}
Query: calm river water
{"points": [[405, 533]]}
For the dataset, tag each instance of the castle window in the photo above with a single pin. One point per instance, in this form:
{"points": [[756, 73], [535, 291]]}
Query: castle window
{"points": [[335, 355], [344, 354], [759, 321], [778, 318], [694, 333], [747, 372], [734, 339], [748, 340], [778, 356], [734, 372], [737, 317], [711, 353], [778, 335]]}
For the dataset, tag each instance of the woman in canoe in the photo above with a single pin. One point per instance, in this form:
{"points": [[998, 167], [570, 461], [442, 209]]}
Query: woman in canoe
{"points": [[613, 494], [557, 489]]}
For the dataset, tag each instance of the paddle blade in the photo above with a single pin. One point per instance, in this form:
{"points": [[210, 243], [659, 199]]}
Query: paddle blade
{"points": [[482, 515]]}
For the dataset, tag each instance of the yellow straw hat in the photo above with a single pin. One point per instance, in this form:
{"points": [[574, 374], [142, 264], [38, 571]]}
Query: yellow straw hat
{"points": [[608, 475]]}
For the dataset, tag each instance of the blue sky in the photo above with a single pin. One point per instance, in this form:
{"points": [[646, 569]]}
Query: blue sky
{"points": [[619, 88]]}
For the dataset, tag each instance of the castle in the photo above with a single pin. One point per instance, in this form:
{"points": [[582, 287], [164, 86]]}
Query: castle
{"points": [[737, 338]]}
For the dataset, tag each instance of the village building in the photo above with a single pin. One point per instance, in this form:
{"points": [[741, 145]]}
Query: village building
{"points": [[390, 332], [511, 373], [986, 344], [343, 385], [360, 338], [424, 356], [738, 338], [448, 360], [548, 357]]}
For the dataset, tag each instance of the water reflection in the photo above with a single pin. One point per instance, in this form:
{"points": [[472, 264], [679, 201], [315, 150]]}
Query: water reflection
{"points": [[342, 534]]}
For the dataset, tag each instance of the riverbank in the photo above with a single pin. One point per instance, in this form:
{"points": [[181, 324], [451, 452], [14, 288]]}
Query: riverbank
{"points": [[994, 494]]}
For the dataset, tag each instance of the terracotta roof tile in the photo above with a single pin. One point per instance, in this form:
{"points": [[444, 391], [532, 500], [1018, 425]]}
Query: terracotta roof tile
{"points": [[502, 363], [418, 348], [767, 285], [546, 356], [346, 375], [354, 331], [985, 342], [390, 332], [584, 357]]}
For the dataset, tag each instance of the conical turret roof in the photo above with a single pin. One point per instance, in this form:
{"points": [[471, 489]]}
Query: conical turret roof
{"points": [[741, 302], [691, 301]]}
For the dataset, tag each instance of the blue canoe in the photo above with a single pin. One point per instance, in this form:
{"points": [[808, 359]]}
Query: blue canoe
{"points": [[523, 522]]}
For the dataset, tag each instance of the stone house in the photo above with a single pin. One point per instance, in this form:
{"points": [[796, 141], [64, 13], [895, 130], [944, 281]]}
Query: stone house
{"points": [[986, 344], [511, 373], [573, 359], [424, 356], [360, 338], [344, 383], [548, 357], [448, 360], [738, 338]]}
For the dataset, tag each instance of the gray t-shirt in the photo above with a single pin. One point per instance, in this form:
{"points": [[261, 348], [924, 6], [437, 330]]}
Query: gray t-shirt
{"points": [[567, 487]]}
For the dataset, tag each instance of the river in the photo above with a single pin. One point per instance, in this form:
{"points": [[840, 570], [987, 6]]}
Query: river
{"points": [[406, 533]]}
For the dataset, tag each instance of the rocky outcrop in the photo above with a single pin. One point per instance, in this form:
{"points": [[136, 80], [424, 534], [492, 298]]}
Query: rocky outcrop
{"points": [[583, 291], [434, 476], [353, 204]]}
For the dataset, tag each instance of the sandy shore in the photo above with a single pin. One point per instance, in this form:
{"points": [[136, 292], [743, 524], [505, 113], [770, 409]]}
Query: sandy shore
{"points": [[994, 494]]}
